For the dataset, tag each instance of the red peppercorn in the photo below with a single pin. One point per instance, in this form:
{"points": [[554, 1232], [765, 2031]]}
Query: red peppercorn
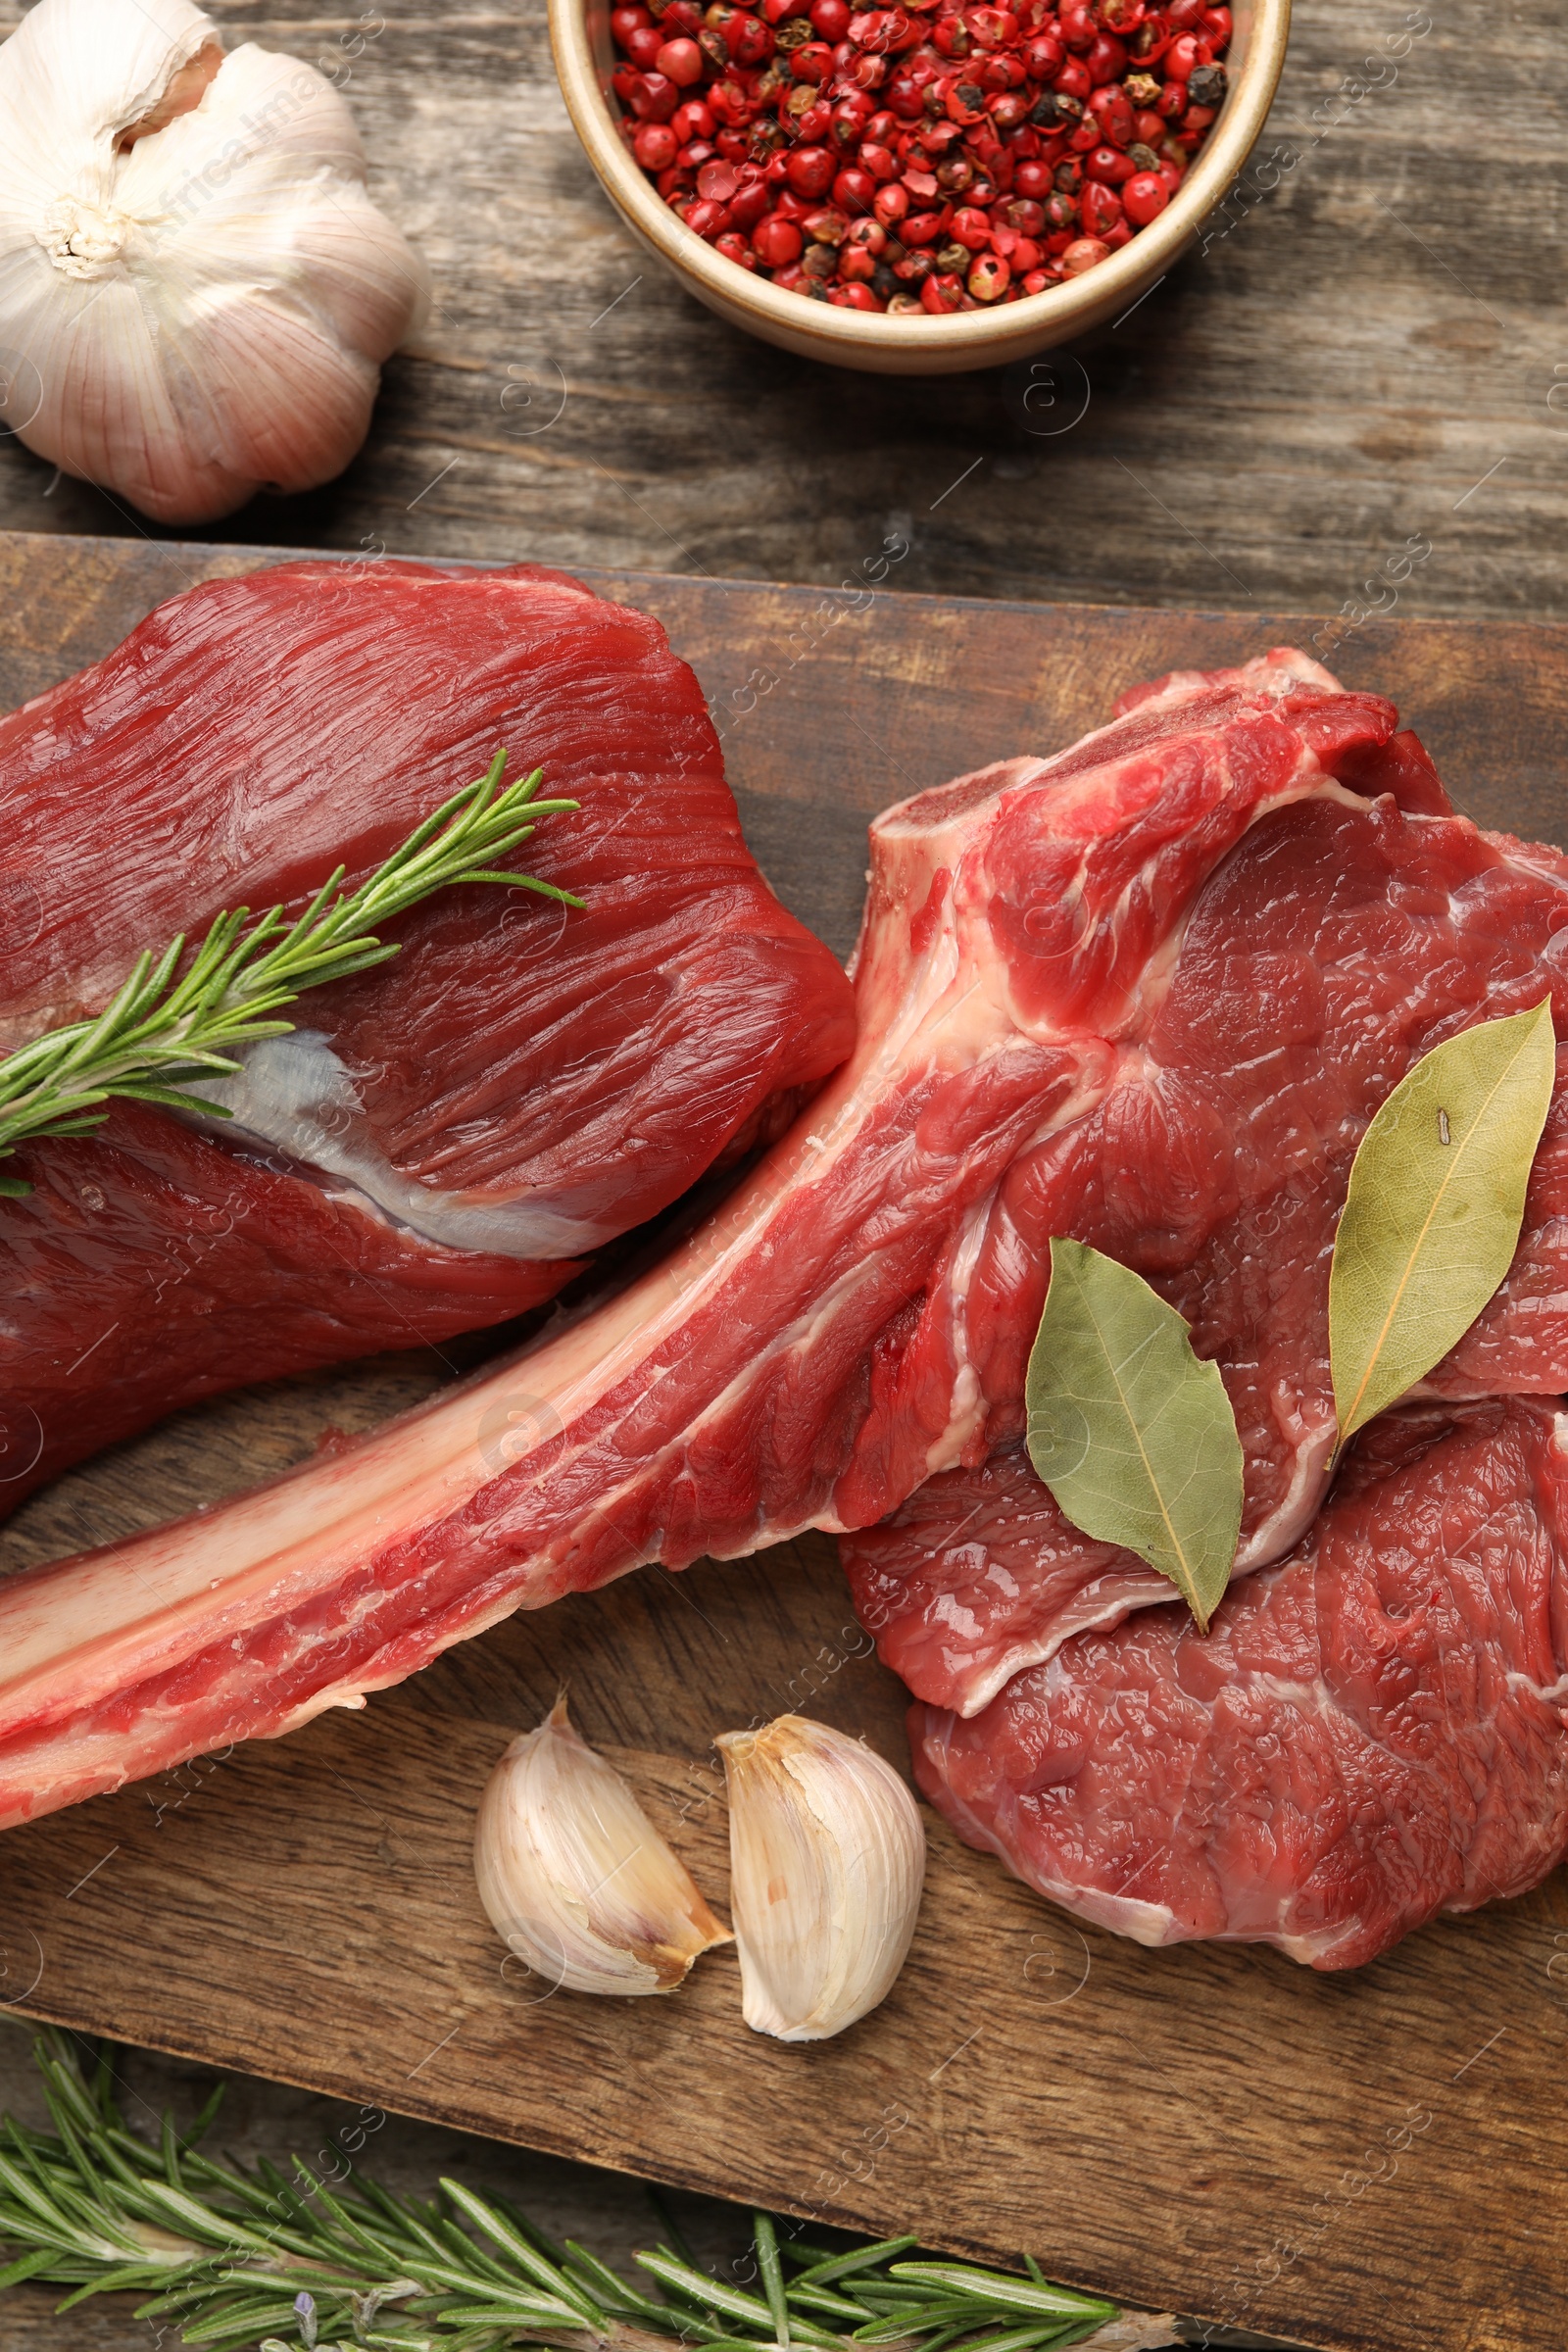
{"points": [[850, 118], [941, 292], [855, 191], [777, 241], [654, 98], [1099, 208], [1145, 198], [966, 176], [749, 40], [681, 60], [1184, 53], [655, 146], [813, 63], [1111, 112], [1044, 57], [992, 27], [707, 219], [1107, 61], [810, 171], [990, 276], [748, 204]]}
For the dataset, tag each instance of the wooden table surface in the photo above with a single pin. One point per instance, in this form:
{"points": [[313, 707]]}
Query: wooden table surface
{"points": [[1374, 351]]}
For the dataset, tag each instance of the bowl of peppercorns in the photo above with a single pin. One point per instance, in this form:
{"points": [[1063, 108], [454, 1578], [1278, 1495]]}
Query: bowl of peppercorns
{"points": [[925, 187]]}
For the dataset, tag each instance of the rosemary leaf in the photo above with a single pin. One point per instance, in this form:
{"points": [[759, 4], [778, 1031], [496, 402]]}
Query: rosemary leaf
{"points": [[234, 2256], [162, 1026]]}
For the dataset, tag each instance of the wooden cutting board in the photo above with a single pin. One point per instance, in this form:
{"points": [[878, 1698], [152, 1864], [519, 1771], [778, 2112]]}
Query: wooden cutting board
{"points": [[1371, 2161]]}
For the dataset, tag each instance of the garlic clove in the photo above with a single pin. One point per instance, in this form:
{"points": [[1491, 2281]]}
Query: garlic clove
{"points": [[575, 1877], [827, 1859]]}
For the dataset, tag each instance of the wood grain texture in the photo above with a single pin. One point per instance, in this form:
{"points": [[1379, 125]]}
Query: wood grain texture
{"points": [[1372, 2163], [1367, 351]]}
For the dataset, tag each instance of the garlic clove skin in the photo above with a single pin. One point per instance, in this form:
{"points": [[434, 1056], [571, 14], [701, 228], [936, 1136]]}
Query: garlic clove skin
{"points": [[574, 1877], [827, 1861], [196, 292]]}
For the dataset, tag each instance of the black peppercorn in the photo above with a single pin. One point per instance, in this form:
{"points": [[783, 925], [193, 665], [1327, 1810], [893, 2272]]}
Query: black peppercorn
{"points": [[1053, 110]]}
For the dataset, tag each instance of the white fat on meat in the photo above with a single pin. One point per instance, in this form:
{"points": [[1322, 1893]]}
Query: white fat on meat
{"points": [[295, 1095]]}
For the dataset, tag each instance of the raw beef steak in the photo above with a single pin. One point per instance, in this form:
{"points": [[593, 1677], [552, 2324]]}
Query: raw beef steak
{"points": [[443, 1139], [853, 1320], [1373, 1731], [1334, 947]]}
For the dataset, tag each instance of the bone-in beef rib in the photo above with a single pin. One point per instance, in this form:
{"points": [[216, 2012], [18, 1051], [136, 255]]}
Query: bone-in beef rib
{"points": [[852, 1321]]}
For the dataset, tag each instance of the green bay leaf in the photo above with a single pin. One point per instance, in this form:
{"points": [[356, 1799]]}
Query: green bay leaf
{"points": [[1435, 1199], [1131, 1433]]}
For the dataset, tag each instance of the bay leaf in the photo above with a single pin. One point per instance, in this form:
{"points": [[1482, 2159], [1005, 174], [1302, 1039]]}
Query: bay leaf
{"points": [[1131, 1433], [1435, 1199]]}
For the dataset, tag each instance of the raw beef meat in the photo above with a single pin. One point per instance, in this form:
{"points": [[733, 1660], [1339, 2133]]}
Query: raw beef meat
{"points": [[852, 1321], [443, 1139], [1335, 946], [1374, 1730]]}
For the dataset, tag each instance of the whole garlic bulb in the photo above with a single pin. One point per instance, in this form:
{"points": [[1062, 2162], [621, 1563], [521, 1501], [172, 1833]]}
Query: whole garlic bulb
{"points": [[196, 292], [575, 1877], [827, 1861]]}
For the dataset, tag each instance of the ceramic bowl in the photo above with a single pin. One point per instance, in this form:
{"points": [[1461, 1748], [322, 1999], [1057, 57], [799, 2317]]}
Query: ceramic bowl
{"points": [[580, 33]]}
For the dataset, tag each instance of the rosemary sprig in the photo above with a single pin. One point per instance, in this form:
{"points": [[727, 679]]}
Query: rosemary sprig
{"points": [[162, 1028], [233, 2257]]}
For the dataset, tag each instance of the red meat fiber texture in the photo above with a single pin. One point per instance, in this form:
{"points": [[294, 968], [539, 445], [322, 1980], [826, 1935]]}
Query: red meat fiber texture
{"points": [[246, 739], [1147, 993]]}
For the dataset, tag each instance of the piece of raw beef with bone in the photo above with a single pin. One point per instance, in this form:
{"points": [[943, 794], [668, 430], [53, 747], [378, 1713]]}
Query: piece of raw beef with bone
{"points": [[853, 1320]]}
